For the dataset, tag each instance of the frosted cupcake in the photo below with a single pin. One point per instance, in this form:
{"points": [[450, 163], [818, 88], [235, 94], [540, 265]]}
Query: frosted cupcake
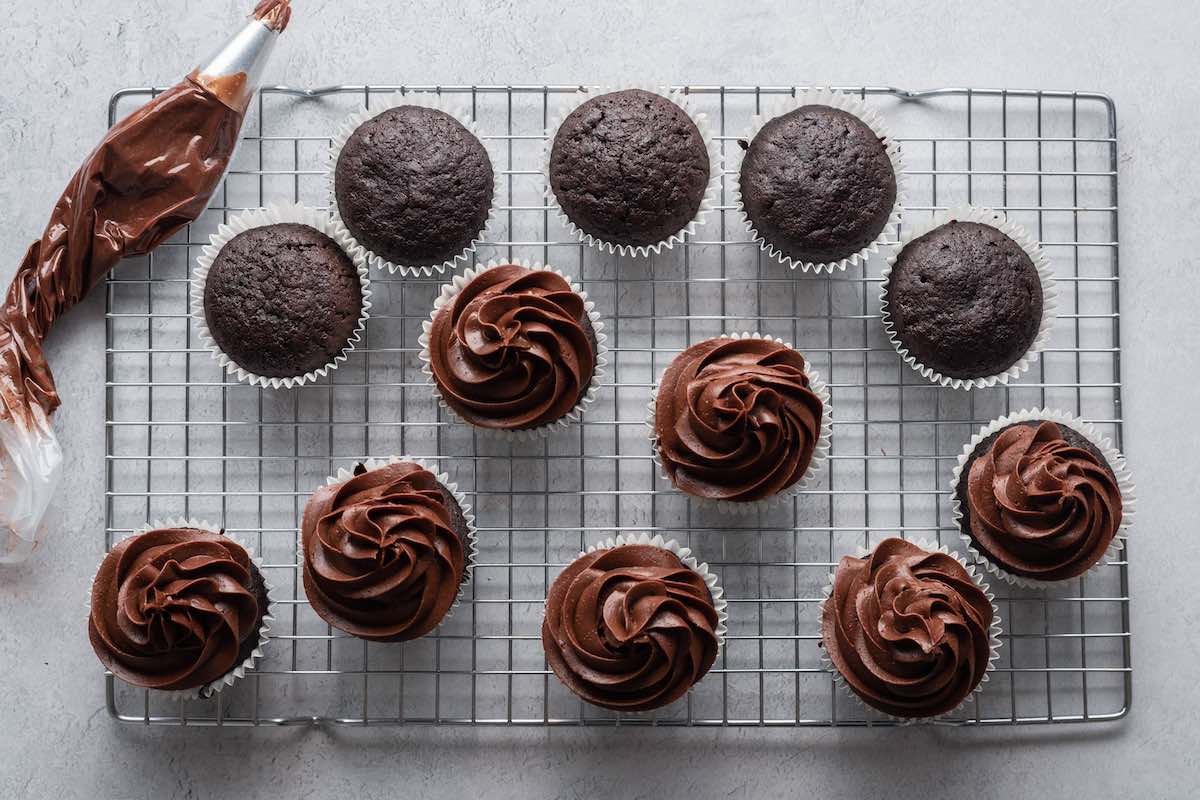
{"points": [[634, 623], [911, 632], [1041, 497], [386, 549], [514, 349], [740, 420], [180, 609]]}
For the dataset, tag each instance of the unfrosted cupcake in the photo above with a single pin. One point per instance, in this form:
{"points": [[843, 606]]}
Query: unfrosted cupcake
{"points": [[413, 184], [280, 295], [817, 184], [386, 550], [1040, 497], [968, 300], [820, 181], [739, 419], [630, 169], [282, 300], [633, 624], [179, 609], [911, 632]]}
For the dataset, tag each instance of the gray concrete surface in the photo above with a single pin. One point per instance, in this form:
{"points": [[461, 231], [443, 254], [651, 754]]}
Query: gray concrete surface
{"points": [[63, 58]]}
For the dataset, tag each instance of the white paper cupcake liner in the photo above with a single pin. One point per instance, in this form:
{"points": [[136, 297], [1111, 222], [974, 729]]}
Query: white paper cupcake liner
{"points": [[1112, 456], [386, 103], [1018, 234], [450, 291], [820, 450], [695, 565], [711, 192], [994, 633], [237, 673], [872, 119], [471, 549], [260, 218]]}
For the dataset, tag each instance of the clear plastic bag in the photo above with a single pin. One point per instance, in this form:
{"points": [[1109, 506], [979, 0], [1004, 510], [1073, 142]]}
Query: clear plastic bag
{"points": [[30, 470]]}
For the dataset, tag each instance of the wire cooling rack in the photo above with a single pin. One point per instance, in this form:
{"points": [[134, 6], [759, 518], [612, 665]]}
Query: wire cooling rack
{"points": [[182, 438]]}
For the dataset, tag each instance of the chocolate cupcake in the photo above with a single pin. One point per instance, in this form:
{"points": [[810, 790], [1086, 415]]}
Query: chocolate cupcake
{"points": [[969, 299], [514, 348], [386, 549], [179, 608], [740, 420], [413, 184], [280, 297], [633, 623], [819, 184], [910, 631], [632, 170], [1041, 497]]}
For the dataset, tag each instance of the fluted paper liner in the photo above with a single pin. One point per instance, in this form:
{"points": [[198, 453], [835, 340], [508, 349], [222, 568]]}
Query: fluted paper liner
{"points": [[471, 548], [711, 191], [720, 604], [994, 633], [386, 103], [1018, 234], [1113, 457], [207, 690], [820, 449], [450, 290], [869, 117], [260, 218]]}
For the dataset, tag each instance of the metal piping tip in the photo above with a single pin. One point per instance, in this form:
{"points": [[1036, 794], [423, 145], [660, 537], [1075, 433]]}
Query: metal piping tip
{"points": [[234, 73]]}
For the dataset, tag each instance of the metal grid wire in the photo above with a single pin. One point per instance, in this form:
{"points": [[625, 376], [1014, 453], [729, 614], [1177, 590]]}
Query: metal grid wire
{"points": [[182, 438]]}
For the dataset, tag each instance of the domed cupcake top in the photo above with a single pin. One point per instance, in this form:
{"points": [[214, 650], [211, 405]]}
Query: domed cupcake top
{"points": [[630, 628], [907, 629], [384, 552], [629, 167], [514, 349], [282, 300], [175, 608], [414, 185], [1039, 505], [817, 183], [736, 419], [965, 299]]}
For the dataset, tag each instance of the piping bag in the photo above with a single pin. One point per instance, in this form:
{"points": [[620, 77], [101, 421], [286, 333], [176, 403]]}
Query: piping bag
{"points": [[152, 174]]}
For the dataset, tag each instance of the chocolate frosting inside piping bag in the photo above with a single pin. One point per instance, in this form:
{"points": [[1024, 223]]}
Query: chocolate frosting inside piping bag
{"points": [[152, 174]]}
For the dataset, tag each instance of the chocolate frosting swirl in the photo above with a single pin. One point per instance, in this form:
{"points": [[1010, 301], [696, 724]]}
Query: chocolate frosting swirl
{"points": [[736, 419], [1040, 506], [383, 552], [630, 628], [175, 608], [513, 350], [907, 629]]}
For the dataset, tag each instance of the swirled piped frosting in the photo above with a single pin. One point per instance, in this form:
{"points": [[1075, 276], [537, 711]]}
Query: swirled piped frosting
{"points": [[384, 552], [907, 629], [630, 628], [514, 349], [1040, 506], [175, 608], [736, 419]]}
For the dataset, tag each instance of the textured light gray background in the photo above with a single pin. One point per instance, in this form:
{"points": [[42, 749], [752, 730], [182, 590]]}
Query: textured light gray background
{"points": [[63, 58]]}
